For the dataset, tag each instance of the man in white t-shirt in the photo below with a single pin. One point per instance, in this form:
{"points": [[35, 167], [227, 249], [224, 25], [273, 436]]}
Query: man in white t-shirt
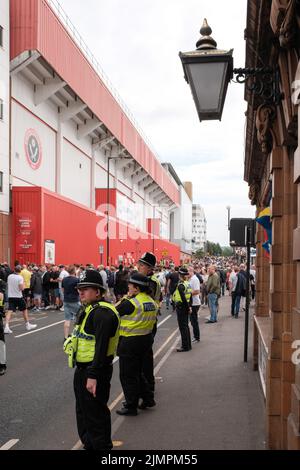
{"points": [[195, 286], [62, 274], [15, 286], [232, 285]]}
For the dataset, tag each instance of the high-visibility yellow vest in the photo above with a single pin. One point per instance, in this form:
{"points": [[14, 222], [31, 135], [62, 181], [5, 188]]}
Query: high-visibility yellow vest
{"points": [[187, 292], [82, 345], [142, 320], [157, 294]]}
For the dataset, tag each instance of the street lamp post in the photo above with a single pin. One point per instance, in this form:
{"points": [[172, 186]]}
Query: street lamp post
{"points": [[208, 71], [108, 212], [122, 157], [228, 217], [153, 232]]}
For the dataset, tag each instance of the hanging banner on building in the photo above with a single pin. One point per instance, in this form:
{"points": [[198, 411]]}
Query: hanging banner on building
{"points": [[25, 233], [33, 149], [49, 252]]}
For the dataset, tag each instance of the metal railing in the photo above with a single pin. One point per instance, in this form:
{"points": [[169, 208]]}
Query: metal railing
{"points": [[76, 36]]}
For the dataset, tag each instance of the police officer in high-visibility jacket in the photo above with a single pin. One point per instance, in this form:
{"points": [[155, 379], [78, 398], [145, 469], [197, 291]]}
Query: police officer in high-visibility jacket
{"points": [[92, 348], [146, 265], [182, 300], [138, 316]]}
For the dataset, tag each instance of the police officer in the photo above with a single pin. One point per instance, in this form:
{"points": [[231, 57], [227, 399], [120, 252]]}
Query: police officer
{"points": [[146, 265], [91, 349], [182, 299], [138, 315]]}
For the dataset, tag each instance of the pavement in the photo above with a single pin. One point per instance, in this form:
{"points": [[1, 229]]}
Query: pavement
{"points": [[207, 398]]}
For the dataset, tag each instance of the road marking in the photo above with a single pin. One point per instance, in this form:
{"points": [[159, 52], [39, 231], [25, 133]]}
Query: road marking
{"points": [[77, 446], [166, 356], [20, 324], [120, 419], [12, 326], [162, 322], [116, 425], [165, 343], [39, 329], [9, 444]]}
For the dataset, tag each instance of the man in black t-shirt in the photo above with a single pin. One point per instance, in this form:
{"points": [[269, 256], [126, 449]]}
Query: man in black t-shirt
{"points": [[71, 298], [54, 285]]}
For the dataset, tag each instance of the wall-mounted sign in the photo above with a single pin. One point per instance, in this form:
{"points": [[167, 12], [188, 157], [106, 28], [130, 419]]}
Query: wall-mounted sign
{"points": [[262, 363], [25, 233], [49, 252], [33, 149]]}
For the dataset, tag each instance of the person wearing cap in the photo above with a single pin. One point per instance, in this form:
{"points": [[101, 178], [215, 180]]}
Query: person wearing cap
{"points": [[182, 298], [146, 265], [92, 348], [138, 316]]}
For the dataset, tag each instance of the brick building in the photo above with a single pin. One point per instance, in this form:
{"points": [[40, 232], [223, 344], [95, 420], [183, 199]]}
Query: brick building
{"points": [[272, 169]]}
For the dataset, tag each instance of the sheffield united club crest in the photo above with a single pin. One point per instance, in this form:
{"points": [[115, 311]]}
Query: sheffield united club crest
{"points": [[33, 149]]}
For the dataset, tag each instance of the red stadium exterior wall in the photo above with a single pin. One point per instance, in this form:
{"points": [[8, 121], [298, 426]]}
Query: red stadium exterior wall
{"points": [[40, 215], [35, 26]]}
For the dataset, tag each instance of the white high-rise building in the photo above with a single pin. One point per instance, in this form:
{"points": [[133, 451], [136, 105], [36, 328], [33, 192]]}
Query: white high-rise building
{"points": [[181, 216], [199, 228]]}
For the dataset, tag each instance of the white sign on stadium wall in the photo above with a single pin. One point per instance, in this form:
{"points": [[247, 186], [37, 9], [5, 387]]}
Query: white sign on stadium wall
{"points": [[33, 149]]}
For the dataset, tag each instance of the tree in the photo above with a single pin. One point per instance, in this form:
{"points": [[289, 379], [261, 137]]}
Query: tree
{"points": [[214, 249], [227, 251], [200, 253]]}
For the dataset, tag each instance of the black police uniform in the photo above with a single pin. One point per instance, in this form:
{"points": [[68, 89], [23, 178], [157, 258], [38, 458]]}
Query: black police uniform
{"points": [[148, 362], [132, 352], [93, 414], [182, 310]]}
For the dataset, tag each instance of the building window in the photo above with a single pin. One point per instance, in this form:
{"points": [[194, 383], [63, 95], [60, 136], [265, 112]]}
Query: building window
{"points": [[1, 181], [1, 110], [1, 36]]}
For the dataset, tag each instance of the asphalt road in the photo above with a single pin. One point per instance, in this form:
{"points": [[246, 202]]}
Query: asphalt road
{"points": [[36, 393]]}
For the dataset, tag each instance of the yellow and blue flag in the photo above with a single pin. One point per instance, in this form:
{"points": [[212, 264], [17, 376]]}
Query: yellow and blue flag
{"points": [[264, 219]]}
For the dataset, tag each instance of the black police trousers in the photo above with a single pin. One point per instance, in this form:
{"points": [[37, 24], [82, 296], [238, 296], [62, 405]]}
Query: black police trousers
{"points": [[148, 363], [132, 352], [183, 323], [92, 414]]}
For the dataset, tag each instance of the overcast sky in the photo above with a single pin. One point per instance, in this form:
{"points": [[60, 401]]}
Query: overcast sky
{"points": [[137, 44]]}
